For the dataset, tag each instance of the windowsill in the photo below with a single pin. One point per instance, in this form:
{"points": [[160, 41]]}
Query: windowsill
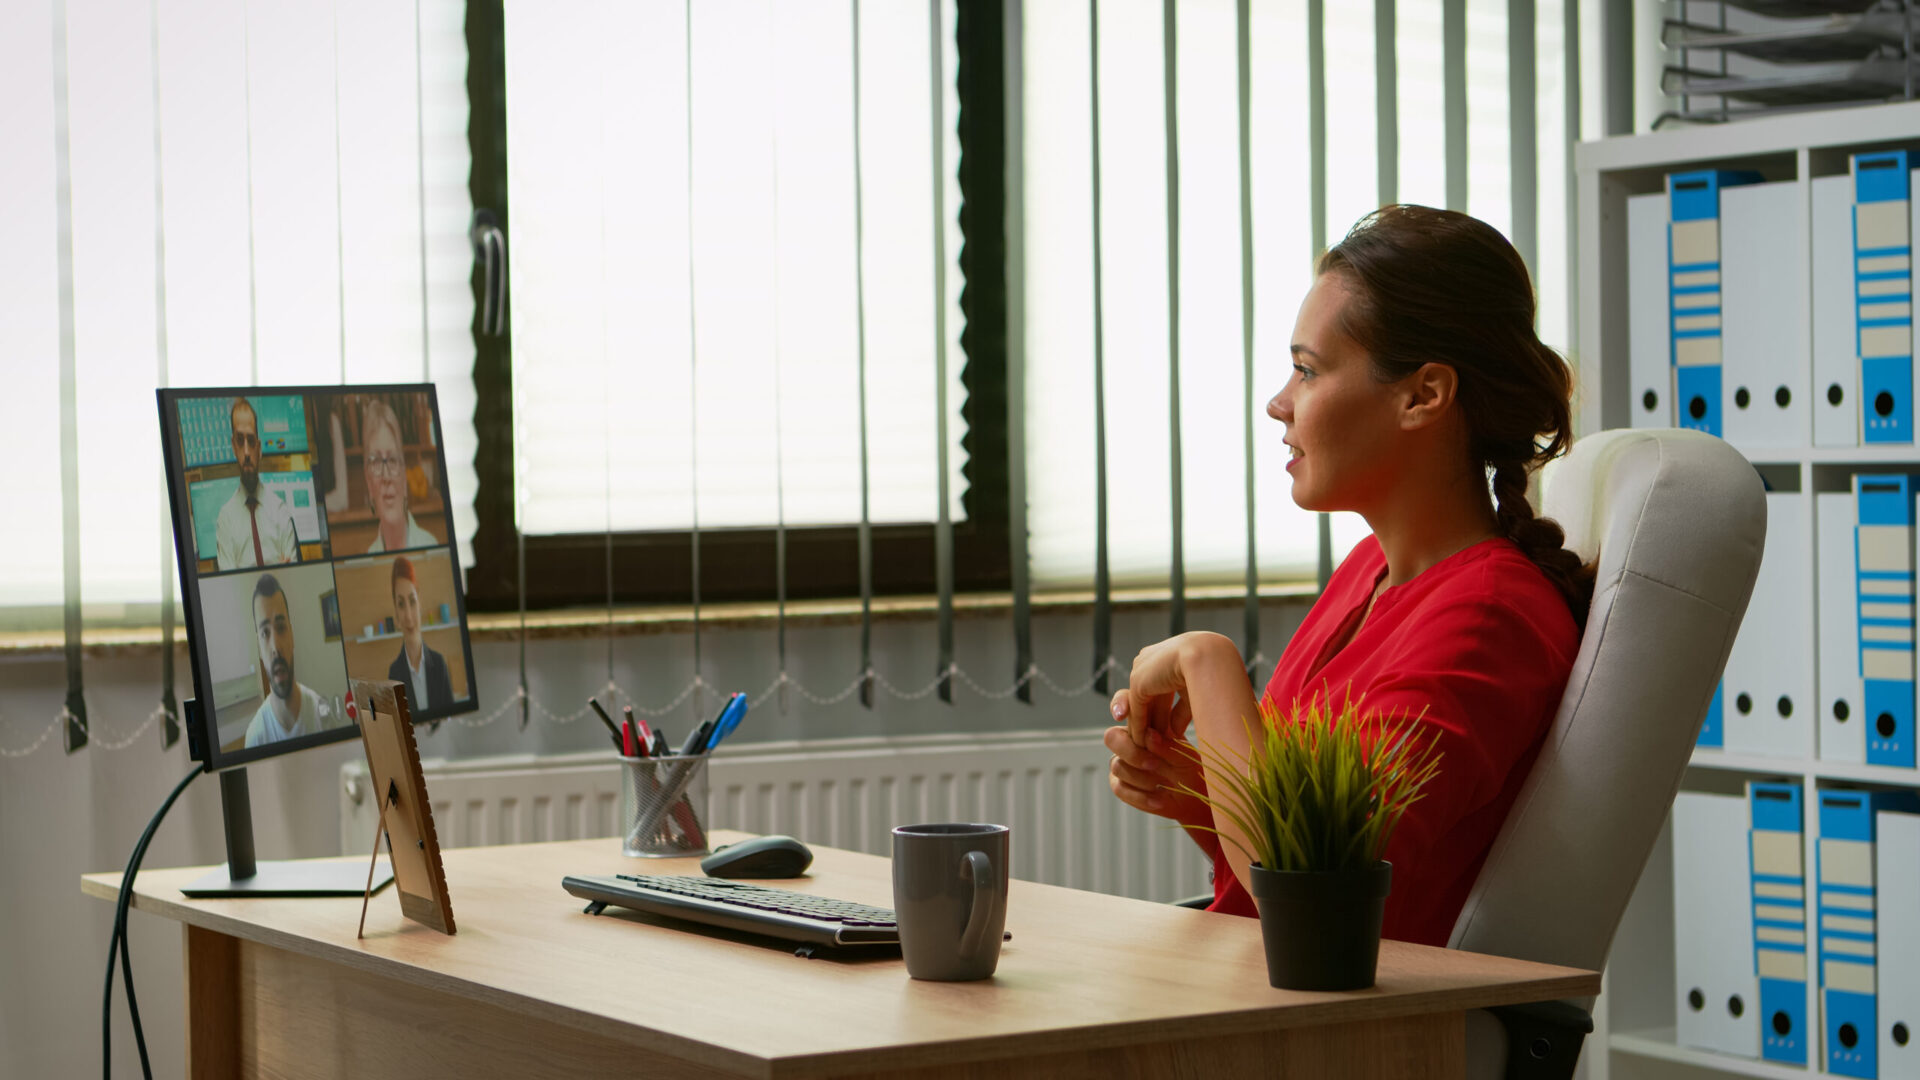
{"points": [[629, 620]]}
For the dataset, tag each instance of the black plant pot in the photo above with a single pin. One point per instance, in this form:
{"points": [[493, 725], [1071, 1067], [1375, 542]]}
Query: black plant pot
{"points": [[1321, 928]]}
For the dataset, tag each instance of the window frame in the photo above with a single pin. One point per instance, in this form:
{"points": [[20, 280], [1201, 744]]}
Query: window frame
{"points": [[656, 567]]}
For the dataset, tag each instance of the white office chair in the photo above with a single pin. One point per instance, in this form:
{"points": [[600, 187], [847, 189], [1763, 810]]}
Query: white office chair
{"points": [[1677, 521]]}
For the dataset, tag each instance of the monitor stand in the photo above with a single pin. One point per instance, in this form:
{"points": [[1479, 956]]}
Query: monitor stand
{"points": [[243, 876]]}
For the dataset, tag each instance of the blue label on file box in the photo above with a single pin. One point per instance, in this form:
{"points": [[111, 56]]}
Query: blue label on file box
{"points": [[1890, 723], [1883, 557], [1783, 1020], [1890, 739], [1697, 391], [1696, 195], [1693, 292], [1710, 729], [1776, 806], [1886, 398], [1852, 1036], [1881, 177], [1777, 891], [1883, 288]]}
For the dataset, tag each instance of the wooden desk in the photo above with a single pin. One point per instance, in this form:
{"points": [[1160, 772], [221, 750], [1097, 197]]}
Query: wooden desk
{"points": [[1090, 986]]}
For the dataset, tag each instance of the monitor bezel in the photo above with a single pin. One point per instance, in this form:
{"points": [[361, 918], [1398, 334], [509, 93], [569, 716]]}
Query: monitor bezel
{"points": [[205, 740]]}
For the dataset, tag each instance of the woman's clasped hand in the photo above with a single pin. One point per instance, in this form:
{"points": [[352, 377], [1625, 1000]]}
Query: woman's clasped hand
{"points": [[1152, 759]]}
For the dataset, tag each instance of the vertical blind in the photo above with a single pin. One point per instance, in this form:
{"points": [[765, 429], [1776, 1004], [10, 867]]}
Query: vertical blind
{"points": [[213, 192], [1364, 119], [696, 239]]}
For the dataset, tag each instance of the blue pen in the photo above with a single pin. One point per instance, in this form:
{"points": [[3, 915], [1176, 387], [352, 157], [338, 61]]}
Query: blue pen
{"points": [[730, 718]]}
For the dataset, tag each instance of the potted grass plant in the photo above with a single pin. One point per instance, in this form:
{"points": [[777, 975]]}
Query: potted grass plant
{"points": [[1317, 796]]}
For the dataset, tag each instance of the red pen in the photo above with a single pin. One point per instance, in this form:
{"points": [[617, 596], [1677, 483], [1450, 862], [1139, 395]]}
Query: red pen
{"points": [[642, 734]]}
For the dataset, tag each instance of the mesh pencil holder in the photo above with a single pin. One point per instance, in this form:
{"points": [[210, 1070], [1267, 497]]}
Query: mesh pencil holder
{"points": [[662, 801]]}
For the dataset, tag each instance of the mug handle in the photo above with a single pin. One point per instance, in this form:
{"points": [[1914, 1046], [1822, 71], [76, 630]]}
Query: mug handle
{"points": [[977, 865]]}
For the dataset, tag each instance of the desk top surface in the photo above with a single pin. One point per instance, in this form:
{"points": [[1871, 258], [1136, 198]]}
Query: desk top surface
{"points": [[1083, 969]]}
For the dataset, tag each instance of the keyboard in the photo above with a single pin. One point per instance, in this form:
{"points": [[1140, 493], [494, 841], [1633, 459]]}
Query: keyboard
{"points": [[739, 905]]}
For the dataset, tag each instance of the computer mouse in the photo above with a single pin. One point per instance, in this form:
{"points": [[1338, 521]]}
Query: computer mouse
{"points": [[760, 857]]}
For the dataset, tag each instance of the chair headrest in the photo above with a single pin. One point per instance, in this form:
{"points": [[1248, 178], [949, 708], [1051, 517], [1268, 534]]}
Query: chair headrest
{"points": [[1638, 499]]}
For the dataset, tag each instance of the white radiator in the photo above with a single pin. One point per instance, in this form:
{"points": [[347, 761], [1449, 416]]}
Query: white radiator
{"points": [[1049, 787]]}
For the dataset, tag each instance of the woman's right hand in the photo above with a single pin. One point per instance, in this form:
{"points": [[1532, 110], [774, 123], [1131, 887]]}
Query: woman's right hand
{"points": [[1149, 778]]}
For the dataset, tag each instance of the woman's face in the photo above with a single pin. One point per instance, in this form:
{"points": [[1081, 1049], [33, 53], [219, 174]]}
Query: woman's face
{"points": [[406, 609], [1342, 423], [386, 466]]}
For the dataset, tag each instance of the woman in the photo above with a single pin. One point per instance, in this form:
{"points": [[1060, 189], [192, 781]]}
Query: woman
{"points": [[385, 462], [1417, 376], [418, 665]]}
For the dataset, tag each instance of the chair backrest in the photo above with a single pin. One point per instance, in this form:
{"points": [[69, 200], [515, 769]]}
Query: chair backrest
{"points": [[1677, 521]]}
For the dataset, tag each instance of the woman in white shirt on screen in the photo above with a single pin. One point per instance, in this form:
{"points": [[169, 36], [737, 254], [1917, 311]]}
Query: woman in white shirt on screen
{"points": [[385, 461]]}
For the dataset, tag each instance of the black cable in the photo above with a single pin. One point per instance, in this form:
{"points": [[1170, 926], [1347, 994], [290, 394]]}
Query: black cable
{"points": [[133, 1005], [126, 956], [117, 944], [121, 936]]}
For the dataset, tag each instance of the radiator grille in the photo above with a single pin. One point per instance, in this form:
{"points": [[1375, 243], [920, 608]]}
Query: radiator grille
{"points": [[1049, 788]]}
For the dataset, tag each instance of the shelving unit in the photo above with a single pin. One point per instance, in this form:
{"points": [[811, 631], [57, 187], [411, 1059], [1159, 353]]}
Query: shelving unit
{"points": [[1739, 59], [1635, 1016]]}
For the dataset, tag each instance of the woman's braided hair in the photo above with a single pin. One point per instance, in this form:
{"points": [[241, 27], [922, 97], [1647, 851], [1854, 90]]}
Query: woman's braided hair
{"points": [[1438, 286]]}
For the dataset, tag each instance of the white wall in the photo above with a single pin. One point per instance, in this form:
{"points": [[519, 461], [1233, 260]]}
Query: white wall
{"points": [[64, 816]]}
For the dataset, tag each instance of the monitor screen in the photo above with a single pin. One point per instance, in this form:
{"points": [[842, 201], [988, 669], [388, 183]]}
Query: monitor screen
{"points": [[316, 544]]}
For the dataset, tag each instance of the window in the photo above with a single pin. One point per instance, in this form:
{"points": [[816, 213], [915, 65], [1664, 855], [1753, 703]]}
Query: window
{"points": [[211, 194], [716, 228], [1106, 303]]}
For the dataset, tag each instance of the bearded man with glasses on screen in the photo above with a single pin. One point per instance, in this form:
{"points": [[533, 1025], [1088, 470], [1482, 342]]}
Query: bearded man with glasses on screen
{"points": [[385, 462]]}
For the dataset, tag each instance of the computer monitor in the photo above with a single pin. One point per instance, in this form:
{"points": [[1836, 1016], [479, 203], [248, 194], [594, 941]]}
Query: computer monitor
{"points": [[315, 540]]}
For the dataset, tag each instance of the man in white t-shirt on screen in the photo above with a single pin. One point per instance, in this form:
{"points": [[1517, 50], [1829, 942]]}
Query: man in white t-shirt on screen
{"points": [[290, 710]]}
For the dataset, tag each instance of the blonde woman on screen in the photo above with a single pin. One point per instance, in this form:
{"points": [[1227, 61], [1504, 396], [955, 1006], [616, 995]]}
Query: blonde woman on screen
{"points": [[385, 462]]}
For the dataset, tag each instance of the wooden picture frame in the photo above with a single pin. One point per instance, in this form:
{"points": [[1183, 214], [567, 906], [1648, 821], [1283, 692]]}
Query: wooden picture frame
{"points": [[393, 761]]}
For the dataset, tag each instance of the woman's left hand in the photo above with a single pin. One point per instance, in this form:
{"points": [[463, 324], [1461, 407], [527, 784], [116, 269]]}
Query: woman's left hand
{"points": [[1156, 697]]}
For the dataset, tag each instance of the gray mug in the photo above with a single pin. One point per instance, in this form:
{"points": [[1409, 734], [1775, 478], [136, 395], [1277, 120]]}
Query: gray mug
{"points": [[950, 897]]}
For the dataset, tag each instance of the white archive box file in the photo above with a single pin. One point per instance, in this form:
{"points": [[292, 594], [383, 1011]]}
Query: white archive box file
{"points": [[1650, 348], [1716, 991], [1850, 957], [1779, 890], [1768, 701], [1843, 723], [1883, 292], [1836, 356], [1766, 373], [1896, 871], [1884, 554]]}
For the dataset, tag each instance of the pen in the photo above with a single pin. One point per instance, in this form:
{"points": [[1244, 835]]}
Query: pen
{"points": [[629, 746], [729, 719], [697, 741], [660, 747], [611, 726], [640, 729]]}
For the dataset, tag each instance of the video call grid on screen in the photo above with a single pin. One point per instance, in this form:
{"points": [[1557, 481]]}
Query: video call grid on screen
{"points": [[316, 545]]}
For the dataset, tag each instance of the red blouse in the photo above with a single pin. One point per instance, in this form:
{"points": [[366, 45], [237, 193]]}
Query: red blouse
{"points": [[1482, 641]]}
